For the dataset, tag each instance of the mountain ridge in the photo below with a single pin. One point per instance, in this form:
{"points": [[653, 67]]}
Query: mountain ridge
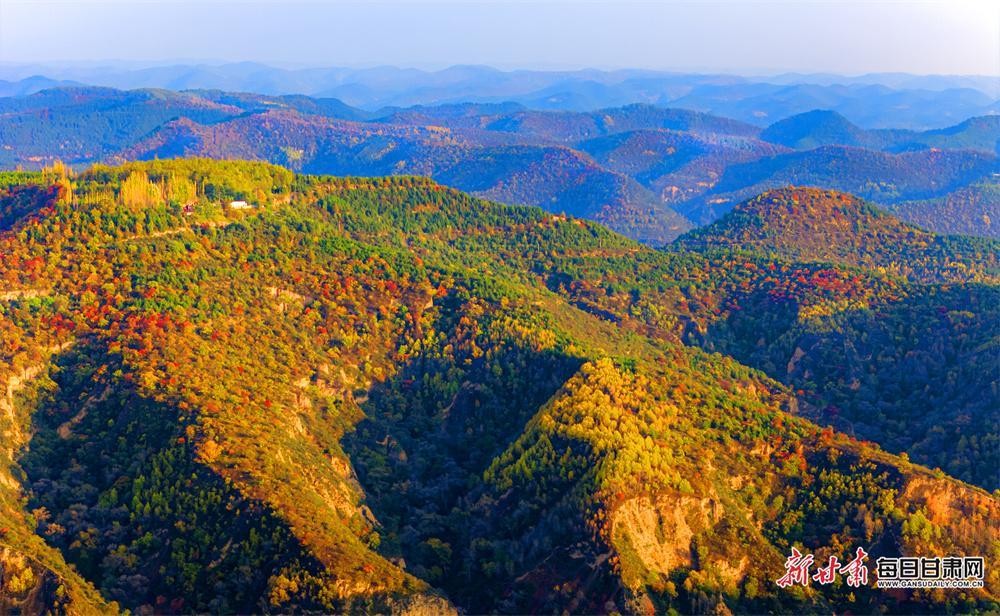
{"points": [[823, 127], [876, 101], [620, 167], [382, 393], [823, 225]]}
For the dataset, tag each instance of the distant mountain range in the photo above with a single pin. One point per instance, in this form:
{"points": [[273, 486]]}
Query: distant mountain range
{"points": [[872, 101], [822, 127], [646, 171], [881, 177]]}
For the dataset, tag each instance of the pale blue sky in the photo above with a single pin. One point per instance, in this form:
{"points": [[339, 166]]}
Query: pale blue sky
{"points": [[850, 37]]}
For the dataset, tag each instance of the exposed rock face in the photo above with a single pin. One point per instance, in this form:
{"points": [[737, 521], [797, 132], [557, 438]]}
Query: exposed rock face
{"points": [[12, 433], [951, 504], [425, 605], [799, 354], [10, 426], [35, 582], [659, 532], [969, 514]]}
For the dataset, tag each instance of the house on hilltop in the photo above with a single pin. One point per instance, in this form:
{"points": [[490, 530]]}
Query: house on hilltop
{"points": [[240, 205]]}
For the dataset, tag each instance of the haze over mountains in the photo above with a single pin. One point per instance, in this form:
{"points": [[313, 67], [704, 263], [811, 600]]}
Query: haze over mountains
{"points": [[873, 101]]}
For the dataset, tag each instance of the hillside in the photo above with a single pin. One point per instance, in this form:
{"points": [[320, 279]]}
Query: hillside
{"points": [[648, 171], [573, 127], [977, 133], [880, 177], [804, 224], [554, 177], [677, 166], [386, 395], [86, 124], [90, 124], [820, 127], [569, 127], [972, 210], [813, 129], [872, 105]]}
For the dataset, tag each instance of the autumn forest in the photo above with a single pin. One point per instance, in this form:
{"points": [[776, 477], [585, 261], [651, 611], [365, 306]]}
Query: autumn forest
{"points": [[232, 388]]}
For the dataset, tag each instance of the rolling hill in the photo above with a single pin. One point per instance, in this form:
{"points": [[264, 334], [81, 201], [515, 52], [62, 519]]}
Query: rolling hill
{"points": [[880, 177], [677, 166], [821, 225], [852, 308], [381, 394], [886, 100], [646, 171], [568, 127], [91, 124], [972, 210], [554, 177], [819, 127]]}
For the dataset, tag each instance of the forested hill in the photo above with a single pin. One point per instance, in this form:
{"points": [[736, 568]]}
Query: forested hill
{"points": [[385, 395], [821, 225], [823, 127]]}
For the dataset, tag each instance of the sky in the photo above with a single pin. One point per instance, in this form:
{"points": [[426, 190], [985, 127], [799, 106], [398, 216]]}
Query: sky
{"points": [[738, 36]]}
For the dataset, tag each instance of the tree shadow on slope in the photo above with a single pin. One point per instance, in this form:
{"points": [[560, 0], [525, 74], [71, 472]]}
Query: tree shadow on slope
{"points": [[429, 434], [915, 375], [114, 484], [19, 202]]}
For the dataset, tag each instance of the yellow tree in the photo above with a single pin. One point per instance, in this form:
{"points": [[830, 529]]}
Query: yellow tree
{"points": [[137, 192]]}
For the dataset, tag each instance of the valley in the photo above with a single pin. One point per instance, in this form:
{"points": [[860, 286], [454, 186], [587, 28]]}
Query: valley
{"points": [[384, 394]]}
